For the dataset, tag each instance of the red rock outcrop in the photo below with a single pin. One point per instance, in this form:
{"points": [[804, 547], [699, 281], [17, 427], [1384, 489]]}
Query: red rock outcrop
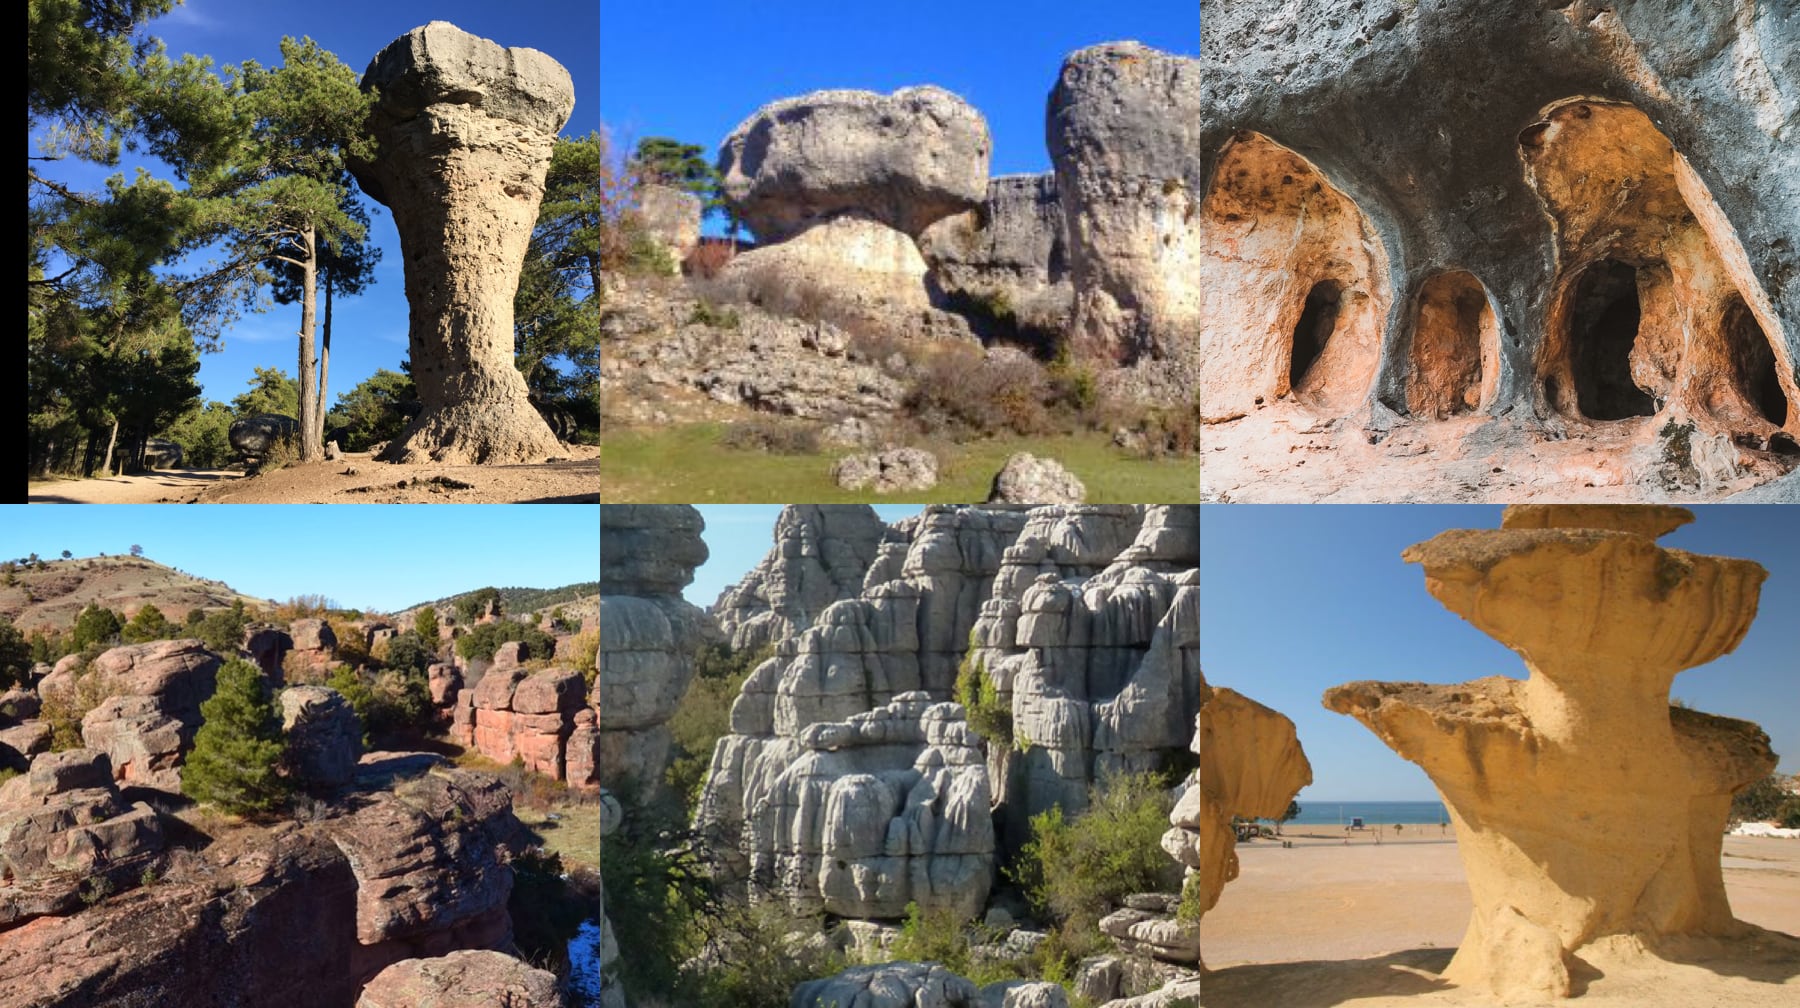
{"points": [[291, 914], [147, 723], [466, 979]]}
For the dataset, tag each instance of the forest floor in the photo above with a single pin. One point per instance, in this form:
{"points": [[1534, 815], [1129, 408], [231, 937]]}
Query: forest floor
{"points": [[354, 479]]}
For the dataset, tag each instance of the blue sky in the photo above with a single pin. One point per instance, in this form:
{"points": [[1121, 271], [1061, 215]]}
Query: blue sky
{"points": [[694, 71], [380, 557], [738, 535], [1297, 599], [369, 331]]}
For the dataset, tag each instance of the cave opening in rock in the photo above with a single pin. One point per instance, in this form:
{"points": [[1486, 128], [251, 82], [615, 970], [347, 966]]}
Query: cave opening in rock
{"points": [[1603, 328], [1318, 318], [1753, 362], [1455, 349]]}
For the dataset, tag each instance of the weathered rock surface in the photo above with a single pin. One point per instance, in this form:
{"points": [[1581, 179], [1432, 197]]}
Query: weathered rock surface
{"points": [[657, 345], [889, 985], [465, 130], [893, 470], [1027, 479], [253, 436], [1502, 230], [821, 554], [65, 832], [146, 725], [1124, 128], [289, 914], [324, 735], [648, 633], [531, 716], [1561, 785], [905, 159], [1006, 260], [672, 216], [465, 979], [1109, 682]]}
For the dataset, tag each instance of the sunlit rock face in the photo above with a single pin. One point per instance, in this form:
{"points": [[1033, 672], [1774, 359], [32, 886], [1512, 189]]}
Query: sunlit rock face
{"points": [[853, 781], [1589, 813], [649, 635], [822, 552], [1123, 127], [465, 128], [1572, 222]]}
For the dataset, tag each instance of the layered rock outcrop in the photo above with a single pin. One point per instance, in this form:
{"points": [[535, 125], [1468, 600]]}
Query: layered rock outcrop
{"points": [[851, 782], [1479, 235], [66, 833], [648, 633], [466, 979], [1124, 125], [1006, 263], [821, 553], [1588, 811], [324, 735], [147, 723], [289, 914], [464, 129]]}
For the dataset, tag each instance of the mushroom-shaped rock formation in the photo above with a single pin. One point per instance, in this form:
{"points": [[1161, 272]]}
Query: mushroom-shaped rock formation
{"points": [[904, 160], [1589, 813], [465, 129]]}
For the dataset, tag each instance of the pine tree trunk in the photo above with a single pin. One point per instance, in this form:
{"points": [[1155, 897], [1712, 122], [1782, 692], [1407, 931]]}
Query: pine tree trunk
{"points": [[111, 441], [324, 363], [310, 450]]}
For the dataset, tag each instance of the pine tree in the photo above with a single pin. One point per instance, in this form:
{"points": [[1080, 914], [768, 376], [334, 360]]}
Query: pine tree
{"points": [[96, 625], [425, 623], [147, 624], [238, 751]]}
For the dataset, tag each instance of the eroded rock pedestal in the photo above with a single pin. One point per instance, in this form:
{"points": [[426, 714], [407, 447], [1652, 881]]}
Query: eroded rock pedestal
{"points": [[1588, 812], [465, 129]]}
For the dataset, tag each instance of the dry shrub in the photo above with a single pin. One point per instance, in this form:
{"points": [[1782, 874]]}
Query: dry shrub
{"points": [[776, 435], [960, 388], [708, 258]]}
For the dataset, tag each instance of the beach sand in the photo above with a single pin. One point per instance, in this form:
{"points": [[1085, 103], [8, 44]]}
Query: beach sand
{"points": [[1367, 919]]}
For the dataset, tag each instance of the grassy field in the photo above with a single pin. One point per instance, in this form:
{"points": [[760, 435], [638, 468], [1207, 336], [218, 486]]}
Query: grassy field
{"points": [[688, 465]]}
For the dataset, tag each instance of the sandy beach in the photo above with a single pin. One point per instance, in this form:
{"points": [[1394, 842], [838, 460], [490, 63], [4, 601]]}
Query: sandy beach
{"points": [[1367, 918]]}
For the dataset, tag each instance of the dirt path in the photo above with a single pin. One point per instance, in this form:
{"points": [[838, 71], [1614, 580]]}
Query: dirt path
{"points": [[170, 486], [353, 479]]}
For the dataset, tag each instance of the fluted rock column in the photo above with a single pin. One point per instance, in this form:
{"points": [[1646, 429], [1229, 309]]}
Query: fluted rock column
{"points": [[1588, 812], [465, 129]]}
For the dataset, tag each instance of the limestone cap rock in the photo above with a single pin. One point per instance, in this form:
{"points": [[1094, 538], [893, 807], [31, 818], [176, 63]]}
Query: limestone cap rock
{"points": [[438, 62], [907, 159]]}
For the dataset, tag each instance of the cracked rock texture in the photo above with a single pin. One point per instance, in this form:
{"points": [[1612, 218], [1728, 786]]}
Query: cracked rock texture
{"points": [[146, 725], [1124, 128], [1007, 257], [472, 978], [821, 553], [465, 128], [648, 633], [1083, 616], [1588, 812]]}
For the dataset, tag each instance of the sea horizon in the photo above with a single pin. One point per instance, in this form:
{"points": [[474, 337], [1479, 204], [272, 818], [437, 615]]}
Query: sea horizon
{"points": [[1316, 812]]}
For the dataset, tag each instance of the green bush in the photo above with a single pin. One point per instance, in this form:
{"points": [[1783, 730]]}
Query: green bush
{"points": [[222, 631], [239, 748], [482, 641], [653, 876], [704, 715], [96, 625], [425, 623], [1076, 870], [389, 703], [147, 624], [988, 715], [1759, 802], [409, 652], [15, 654], [756, 962]]}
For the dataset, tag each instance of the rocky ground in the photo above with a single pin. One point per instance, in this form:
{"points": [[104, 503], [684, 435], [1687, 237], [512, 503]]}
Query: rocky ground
{"points": [[1288, 454], [354, 479]]}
